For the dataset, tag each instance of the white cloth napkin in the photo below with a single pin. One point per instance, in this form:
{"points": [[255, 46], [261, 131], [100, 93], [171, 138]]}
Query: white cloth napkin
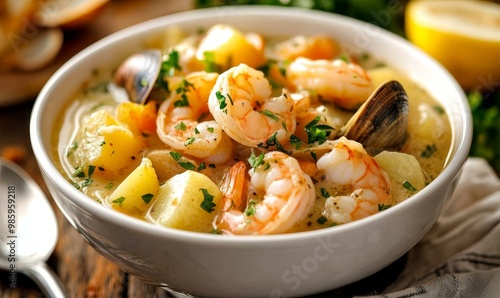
{"points": [[460, 256]]}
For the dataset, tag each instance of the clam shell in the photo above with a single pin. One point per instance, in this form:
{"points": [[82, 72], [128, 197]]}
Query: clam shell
{"points": [[138, 74], [381, 122]]}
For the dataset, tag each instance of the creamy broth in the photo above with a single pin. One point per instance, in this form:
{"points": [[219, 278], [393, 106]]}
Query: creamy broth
{"points": [[428, 140]]}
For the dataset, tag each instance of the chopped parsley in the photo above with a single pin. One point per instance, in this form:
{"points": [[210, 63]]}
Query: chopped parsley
{"points": [[87, 182], [182, 90], [79, 172], [210, 64], [72, 148], [273, 141], [119, 201], [408, 186], [382, 207], [189, 141], [175, 155], [186, 165], [269, 114], [222, 100], [181, 126], [324, 193], [147, 197], [109, 185], [428, 151], [317, 132], [210, 129], [207, 204], [168, 68], [256, 161], [91, 170], [251, 208], [202, 166], [321, 220], [295, 141]]}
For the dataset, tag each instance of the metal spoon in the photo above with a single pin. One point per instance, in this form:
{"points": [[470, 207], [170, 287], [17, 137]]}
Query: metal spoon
{"points": [[28, 230]]}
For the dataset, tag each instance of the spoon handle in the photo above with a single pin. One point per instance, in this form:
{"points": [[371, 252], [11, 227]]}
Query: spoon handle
{"points": [[47, 280]]}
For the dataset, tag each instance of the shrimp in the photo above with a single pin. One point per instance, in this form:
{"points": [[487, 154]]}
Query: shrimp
{"points": [[178, 123], [241, 103], [280, 196], [347, 85], [349, 166], [312, 47]]}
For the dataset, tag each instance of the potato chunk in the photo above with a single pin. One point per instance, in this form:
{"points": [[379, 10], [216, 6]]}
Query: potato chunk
{"points": [[187, 201], [106, 145], [138, 191], [404, 171], [229, 47]]}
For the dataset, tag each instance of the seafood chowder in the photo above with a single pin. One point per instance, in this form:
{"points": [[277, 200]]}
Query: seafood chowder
{"points": [[234, 133]]}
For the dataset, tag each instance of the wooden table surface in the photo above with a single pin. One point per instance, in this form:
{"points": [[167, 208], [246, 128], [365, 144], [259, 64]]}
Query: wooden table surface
{"points": [[84, 272]]}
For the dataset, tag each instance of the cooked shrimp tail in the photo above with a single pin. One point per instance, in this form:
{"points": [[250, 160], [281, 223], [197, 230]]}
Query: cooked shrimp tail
{"points": [[280, 195]]}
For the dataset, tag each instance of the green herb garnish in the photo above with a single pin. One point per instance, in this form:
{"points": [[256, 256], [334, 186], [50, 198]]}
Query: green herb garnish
{"points": [[317, 132], [428, 151], [119, 201], [147, 197], [408, 186], [382, 207], [207, 204]]}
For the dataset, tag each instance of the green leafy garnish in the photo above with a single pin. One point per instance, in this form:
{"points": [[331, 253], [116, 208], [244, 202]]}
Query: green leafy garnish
{"points": [[186, 165], [210, 65], [273, 141], [207, 204], [256, 161], [269, 114], [251, 208], [189, 141], [168, 68], [91, 170], [222, 100], [324, 193], [175, 155], [382, 207], [295, 141], [317, 132], [322, 220], [72, 148], [181, 126], [147, 197], [408, 186], [183, 88], [428, 151], [119, 201]]}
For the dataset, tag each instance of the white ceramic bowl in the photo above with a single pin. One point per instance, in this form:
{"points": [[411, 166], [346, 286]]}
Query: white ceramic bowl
{"points": [[255, 266]]}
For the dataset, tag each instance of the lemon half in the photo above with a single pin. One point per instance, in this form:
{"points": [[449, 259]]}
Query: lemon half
{"points": [[464, 36]]}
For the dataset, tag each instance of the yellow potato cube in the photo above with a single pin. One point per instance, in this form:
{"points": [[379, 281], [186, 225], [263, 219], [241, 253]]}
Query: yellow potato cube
{"points": [[229, 47], [138, 191], [107, 145], [187, 201], [404, 171]]}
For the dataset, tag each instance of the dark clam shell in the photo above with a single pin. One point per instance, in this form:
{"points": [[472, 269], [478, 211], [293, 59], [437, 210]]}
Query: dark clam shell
{"points": [[381, 122], [138, 74]]}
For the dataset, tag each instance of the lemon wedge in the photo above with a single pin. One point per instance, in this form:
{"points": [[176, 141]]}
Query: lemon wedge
{"points": [[464, 36]]}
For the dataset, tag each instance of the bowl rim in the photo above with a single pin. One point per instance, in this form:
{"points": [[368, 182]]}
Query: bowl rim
{"points": [[451, 170]]}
